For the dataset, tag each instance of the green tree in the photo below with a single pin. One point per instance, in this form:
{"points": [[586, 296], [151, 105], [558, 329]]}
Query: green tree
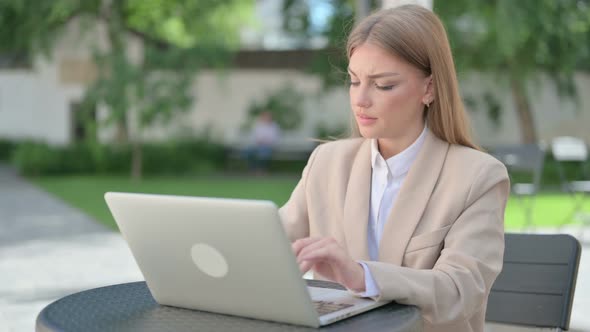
{"points": [[177, 37], [513, 40], [330, 63], [285, 105], [518, 40]]}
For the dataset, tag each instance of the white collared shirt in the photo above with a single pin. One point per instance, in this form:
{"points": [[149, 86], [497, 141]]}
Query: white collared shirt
{"points": [[386, 181]]}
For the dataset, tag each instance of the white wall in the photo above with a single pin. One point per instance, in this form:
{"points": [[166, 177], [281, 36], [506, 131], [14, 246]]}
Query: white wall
{"points": [[36, 103], [554, 116], [395, 3], [223, 101], [33, 106]]}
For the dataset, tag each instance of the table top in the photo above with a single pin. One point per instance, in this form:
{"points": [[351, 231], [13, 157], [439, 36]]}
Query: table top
{"points": [[131, 307]]}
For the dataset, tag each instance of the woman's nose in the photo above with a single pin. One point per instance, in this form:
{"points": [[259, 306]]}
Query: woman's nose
{"points": [[362, 99]]}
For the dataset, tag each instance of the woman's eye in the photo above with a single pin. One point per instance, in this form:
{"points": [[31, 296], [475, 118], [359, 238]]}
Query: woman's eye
{"points": [[354, 83], [384, 87]]}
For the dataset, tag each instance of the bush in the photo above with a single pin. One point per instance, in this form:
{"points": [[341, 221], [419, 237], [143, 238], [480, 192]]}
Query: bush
{"points": [[294, 167], [35, 158], [6, 149], [183, 157]]}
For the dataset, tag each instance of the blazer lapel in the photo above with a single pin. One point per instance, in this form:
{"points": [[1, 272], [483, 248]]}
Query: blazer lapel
{"points": [[412, 199], [356, 204]]}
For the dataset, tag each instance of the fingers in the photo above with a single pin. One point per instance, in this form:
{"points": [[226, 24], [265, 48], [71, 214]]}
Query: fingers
{"points": [[317, 250], [329, 259], [321, 256], [305, 266], [323, 249], [298, 245]]}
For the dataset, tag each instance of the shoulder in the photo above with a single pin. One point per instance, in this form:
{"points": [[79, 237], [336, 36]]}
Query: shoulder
{"points": [[337, 155], [460, 163], [468, 158], [340, 149], [467, 153], [479, 169]]}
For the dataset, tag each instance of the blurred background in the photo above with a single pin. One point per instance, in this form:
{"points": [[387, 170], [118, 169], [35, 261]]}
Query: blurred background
{"points": [[122, 90], [165, 96]]}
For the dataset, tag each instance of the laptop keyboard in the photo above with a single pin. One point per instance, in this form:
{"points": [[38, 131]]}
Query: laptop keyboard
{"points": [[326, 307]]}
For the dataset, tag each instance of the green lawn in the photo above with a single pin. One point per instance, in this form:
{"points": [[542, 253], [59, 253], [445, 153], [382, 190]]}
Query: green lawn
{"points": [[86, 193], [549, 210]]}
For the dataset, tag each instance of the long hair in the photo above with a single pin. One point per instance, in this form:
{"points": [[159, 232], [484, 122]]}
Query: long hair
{"points": [[416, 35]]}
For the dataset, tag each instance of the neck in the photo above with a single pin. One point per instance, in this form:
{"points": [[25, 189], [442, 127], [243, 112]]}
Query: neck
{"points": [[389, 147]]}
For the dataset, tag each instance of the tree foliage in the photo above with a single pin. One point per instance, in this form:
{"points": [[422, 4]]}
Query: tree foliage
{"points": [[330, 64], [516, 41], [177, 37], [285, 105]]}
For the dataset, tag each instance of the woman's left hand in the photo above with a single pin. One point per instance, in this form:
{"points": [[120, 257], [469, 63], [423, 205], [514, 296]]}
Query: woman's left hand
{"points": [[330, 260]]}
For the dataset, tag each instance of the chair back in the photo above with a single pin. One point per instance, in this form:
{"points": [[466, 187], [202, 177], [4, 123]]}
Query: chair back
{"points": [[537, 283], [529, 158]]}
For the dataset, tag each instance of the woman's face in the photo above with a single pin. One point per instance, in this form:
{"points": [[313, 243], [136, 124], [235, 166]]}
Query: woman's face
{"points": [[387, 95]]}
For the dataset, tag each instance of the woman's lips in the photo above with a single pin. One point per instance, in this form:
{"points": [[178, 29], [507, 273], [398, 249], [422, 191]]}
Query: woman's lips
{"points": [[364, 120]]}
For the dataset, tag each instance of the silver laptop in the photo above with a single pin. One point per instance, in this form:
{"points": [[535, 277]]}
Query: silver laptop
{"points": [[227, 256]]}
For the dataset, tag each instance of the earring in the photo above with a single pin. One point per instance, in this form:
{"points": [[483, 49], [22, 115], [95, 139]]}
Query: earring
{"points": [[427, 104]]}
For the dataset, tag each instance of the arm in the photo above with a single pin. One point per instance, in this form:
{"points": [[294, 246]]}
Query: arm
{"points": [[459, 283], [294, 215]]}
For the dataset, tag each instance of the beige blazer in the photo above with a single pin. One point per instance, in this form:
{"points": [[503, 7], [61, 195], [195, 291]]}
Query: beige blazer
{"points": [[443, 243]]}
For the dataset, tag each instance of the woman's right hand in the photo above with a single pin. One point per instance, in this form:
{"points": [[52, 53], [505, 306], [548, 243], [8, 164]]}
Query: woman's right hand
{"points": [[326, 257]]}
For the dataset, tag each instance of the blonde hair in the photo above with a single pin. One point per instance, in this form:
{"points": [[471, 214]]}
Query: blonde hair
{"points": [[416, 35]]}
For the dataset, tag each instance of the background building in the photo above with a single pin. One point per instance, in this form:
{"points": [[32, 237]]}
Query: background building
{"points": [[39, 100]]}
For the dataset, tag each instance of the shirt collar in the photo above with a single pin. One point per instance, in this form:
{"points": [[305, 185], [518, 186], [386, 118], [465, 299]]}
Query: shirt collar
{"points": [[400, 163]]}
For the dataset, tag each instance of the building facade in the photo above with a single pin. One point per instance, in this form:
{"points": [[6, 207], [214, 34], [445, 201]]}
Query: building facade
{"points": [[40, 102]]}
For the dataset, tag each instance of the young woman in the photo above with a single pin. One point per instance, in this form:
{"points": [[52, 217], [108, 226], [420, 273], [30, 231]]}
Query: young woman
{"points": [[410, 210]]}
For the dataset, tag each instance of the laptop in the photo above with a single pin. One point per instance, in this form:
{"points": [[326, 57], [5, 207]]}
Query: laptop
{"points": [[229, 256]]}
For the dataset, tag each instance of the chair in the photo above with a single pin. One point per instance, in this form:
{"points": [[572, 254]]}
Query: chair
{"points": [[566, 149], [536, 286], [526, 160]]}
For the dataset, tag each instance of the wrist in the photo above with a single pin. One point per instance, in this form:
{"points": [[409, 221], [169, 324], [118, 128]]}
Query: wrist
{"points": [[357, 284]]}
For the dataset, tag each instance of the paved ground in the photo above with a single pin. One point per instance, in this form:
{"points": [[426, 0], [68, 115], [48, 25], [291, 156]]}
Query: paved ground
{"points": [[49, 250]]}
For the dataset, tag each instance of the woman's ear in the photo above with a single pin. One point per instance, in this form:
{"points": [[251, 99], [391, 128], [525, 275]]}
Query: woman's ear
{"points": [[428, 91]]}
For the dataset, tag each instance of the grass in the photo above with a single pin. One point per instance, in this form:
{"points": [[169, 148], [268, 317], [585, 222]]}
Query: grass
{"points": [[549, 210], [86, 193]]}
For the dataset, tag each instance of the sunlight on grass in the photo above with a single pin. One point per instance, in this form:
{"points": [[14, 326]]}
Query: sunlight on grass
{"points": [[549, 210]]}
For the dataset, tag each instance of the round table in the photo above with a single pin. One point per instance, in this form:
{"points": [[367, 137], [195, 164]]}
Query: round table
{"points": [[131, 307]]}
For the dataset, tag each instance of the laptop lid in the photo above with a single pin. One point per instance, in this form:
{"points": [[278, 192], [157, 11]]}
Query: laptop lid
{"points": [[227, 256]]}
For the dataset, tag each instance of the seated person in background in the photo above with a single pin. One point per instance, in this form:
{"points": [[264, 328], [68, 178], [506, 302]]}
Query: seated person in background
{"points": [[264, 136], [409, 209]]}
